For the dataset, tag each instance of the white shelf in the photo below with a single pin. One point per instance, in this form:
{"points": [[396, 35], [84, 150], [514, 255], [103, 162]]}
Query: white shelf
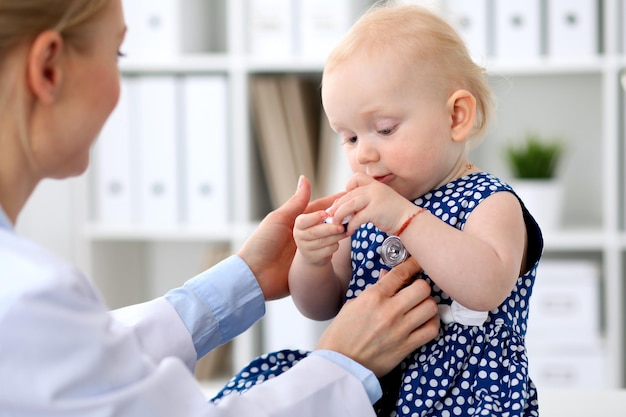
{"points": [[223, 62], [577, 240], [138, 233], [547, 66], [220, 233], [284, 65], [180, 64], [562, 240]]}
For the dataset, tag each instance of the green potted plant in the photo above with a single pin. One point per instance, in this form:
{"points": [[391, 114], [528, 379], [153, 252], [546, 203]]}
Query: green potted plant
{"points": [[534, 158], [534, 166]]}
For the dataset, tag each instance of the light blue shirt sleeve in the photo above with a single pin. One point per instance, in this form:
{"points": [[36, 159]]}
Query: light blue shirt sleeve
{"points": [[228, 300], [218, 304], [4, 220], [367, 377]]}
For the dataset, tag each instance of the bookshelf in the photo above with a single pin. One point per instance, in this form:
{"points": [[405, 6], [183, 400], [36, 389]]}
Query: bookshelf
{"points": [[581, 98]]}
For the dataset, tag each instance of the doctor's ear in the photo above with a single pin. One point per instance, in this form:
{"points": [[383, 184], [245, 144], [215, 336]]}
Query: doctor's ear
{"points": [[44, 73], [461, 107]]}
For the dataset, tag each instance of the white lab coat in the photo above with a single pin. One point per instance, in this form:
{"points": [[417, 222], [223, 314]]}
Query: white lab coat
{"points": [[62, 353]]}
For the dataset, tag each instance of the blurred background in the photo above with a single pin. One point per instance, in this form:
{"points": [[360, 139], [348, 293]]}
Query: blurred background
{"points": [[220, 113]]}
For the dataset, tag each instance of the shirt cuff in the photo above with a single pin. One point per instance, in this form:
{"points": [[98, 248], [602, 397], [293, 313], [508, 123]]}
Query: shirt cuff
{"points": [[367, 377], [219, 304]]}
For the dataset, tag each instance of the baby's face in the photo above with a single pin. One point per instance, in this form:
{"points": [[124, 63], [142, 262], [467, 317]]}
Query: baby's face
{"points": [[394, 123]]}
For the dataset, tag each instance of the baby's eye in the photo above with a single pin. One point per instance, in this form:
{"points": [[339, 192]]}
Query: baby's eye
{"points": [[120, 54], [387, 131], [349, 140]]}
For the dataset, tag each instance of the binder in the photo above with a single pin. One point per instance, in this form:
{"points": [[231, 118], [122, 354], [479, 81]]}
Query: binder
{"points": [[113, 163], [470, 19], [157, 150], [205, 148], [302, 103], [433, 5], [565, 303], [132, 45], [162, 29], [271, 28], [572, 28], [270, 126], [333, 169], [569, 367], [564, 336], [517, 29], [322, 23]]}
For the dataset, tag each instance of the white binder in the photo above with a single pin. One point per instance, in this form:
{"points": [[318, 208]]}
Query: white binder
{"points": [[470, 19], [568, 367], [113, 163], [271, 28], [565, 303], [433, 5], [572, 28], [205, 164], [322, 23], [157, 152], [517, 29], [162, 29], [333, 169]]}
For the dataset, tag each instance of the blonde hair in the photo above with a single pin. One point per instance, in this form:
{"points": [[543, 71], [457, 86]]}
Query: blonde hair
{"points": [[21, 21], [421, 39]]}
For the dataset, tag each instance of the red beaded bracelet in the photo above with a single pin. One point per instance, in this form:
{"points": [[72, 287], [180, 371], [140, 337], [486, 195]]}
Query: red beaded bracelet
{"points": [[408, 221]]}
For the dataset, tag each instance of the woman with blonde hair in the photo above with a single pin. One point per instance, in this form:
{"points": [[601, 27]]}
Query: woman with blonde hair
{"points": [[62, 353]]}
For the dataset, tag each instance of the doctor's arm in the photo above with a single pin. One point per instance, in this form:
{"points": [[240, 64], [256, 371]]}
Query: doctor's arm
{"points": [[373, 332], [225, 300]]}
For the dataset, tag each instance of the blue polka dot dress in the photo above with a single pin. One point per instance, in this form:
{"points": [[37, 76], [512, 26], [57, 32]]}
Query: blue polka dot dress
{"points": [[468, 370]]}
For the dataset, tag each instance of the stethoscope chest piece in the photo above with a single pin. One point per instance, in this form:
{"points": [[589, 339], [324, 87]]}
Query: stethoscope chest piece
{"points": [[393, 252]]}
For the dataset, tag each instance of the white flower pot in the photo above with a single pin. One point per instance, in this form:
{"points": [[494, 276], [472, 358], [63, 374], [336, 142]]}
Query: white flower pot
{"points": [[543, 199]]}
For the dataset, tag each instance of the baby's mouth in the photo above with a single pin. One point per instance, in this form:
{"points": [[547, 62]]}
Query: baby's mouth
{"points": [[384, 178]]}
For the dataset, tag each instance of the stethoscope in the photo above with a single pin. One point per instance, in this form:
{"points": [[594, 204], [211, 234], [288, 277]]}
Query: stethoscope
{"points": [[392, 251]]}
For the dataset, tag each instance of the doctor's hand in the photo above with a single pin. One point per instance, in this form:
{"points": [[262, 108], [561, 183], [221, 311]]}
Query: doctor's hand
{"points": [[268, 252], [385, 322]]}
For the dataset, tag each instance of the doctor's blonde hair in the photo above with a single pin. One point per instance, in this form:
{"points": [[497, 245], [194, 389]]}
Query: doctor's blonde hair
{"points": [[423, 41], [21, 21]]}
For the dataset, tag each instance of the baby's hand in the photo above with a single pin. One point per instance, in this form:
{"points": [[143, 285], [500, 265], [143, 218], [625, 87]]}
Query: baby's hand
{"points": [[344, 222], [369, 200], [316, 239]]}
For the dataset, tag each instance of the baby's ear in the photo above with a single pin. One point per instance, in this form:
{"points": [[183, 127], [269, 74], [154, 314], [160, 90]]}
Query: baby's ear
{"points": [[462, 109]]}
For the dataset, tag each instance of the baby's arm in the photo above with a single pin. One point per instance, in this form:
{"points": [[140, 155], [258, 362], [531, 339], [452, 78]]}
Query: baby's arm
{"points": [[478, 266], [320, 272]]}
